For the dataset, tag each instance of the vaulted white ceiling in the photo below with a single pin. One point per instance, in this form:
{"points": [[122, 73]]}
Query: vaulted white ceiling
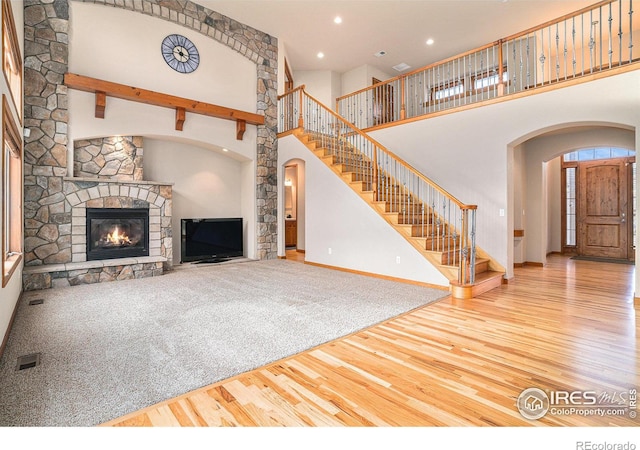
{"points": [[398, 27]]}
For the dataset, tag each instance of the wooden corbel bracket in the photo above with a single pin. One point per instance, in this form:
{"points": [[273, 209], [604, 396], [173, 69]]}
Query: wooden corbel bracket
{"points": [[180, 117], [101, 104], [241, 127]]}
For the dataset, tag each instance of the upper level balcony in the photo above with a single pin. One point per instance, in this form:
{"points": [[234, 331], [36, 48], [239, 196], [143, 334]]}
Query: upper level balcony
{"points": [[599, 40]]}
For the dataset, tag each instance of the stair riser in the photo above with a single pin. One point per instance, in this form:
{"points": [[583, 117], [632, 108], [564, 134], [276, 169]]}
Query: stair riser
{"points": [[428, 231], [396, 208], [437, 245], [448, 260], [415, 219]]}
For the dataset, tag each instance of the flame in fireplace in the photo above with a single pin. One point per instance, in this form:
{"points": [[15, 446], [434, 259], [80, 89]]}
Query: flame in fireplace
{"points": [[117, 238]]}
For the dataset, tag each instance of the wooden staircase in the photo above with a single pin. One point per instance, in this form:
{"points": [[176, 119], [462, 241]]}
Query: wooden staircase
{"points": [[410, 217]]}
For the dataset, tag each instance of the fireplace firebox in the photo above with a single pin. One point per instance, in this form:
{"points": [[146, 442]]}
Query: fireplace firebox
{"points": [[117, 233]]}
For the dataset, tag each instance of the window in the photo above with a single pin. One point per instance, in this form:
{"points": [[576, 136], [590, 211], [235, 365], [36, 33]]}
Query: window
{"points": [[591, 154], [11, 59], [570, 209], [448, 90], [486, 81], [11, 194]]}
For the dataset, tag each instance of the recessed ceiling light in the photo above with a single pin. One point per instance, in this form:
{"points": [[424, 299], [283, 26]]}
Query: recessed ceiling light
{"points": [[429, 41], [225, 150], [338, 20], [320, 55], [380, 53]]}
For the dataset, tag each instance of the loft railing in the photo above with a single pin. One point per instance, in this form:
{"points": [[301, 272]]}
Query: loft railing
{"points": [[428, 211], [594, 39]]}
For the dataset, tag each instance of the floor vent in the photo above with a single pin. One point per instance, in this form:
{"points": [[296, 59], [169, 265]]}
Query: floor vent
{"points": [[28, 361], [37, 301]]}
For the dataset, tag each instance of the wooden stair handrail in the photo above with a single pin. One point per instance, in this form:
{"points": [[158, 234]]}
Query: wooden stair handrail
{"points": [[299, 88], [557, 20], [391, 154], [104, 89]]}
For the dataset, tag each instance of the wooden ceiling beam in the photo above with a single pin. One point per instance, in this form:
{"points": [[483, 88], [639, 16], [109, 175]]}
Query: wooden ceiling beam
{"points": [[104, 89]]}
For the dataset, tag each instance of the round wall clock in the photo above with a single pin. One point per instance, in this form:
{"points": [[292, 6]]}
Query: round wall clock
{"points": [[180, 53]]}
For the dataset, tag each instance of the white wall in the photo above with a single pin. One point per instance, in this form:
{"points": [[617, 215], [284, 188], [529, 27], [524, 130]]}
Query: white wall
{"points": [[337, 218], [466, 152], [206, 183], [10, 294], [360, 78], [517, 191], [323, 85], [554, 206], [124, 47]]}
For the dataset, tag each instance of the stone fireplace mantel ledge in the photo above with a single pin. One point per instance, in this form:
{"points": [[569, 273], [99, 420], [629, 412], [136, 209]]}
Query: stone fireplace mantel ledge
{"points": [[49, 268], [116, 181]]}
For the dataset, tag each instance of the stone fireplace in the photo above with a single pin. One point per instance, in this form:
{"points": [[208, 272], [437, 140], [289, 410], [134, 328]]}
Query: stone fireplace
{"points": [[106, 224]]}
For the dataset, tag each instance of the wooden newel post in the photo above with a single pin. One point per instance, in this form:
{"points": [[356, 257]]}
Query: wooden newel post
{"points": [[464, 246], [403, 106], [300, 116], [374, 183], [500, 69]]}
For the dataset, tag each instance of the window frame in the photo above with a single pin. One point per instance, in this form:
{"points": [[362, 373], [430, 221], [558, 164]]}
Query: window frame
{"points": [[487, 74], [448, 86], [12, 47], [12, 201]]}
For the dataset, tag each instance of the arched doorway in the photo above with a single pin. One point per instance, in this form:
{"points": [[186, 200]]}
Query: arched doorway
{"points": [[294, 209], [537, 189]]}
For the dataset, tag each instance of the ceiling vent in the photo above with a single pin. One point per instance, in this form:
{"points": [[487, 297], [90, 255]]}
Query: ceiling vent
{"points": [[380, 53], [402, 67]]}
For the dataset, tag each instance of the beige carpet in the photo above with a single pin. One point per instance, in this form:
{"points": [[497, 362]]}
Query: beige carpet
{"points": [[113, 348]]}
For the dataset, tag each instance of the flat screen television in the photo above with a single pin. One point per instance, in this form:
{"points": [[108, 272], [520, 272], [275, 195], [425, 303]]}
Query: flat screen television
{"points": [[211, 240]]}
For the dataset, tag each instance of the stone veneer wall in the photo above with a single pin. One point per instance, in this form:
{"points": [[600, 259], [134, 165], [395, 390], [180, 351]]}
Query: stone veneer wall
{"points": [[47, 213], [116, 157]]}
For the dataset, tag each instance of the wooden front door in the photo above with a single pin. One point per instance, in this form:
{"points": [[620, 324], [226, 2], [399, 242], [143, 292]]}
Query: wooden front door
{"points": [[603, 212]]}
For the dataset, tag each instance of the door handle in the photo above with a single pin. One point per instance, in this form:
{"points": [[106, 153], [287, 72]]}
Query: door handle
{"points": [[623, 220]]}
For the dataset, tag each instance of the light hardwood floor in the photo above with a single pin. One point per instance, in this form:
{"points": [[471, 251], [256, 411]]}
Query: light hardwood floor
{"points": [[568, 326]]}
